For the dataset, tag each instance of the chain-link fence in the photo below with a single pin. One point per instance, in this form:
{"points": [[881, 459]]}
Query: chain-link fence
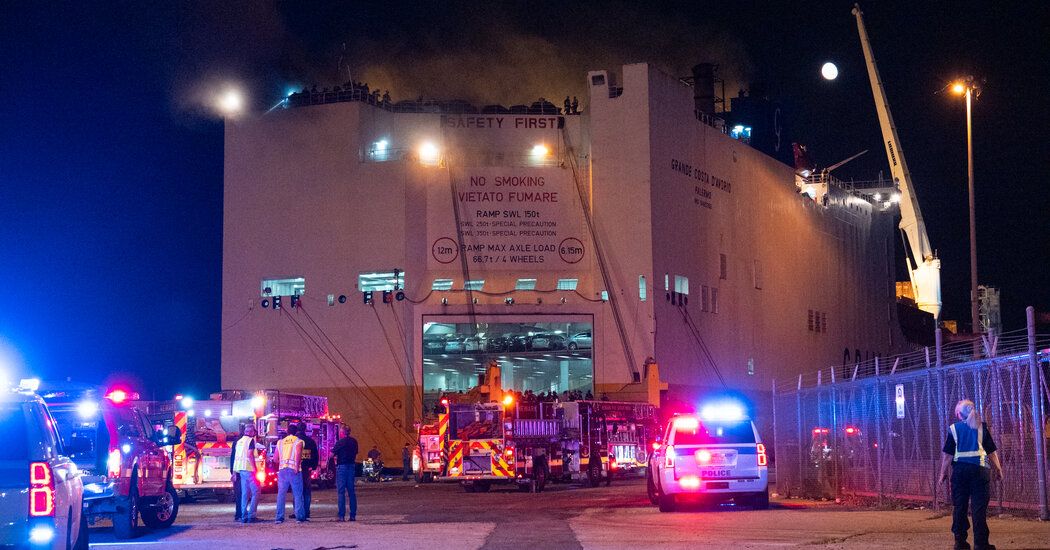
{"points": [[881, 435]]}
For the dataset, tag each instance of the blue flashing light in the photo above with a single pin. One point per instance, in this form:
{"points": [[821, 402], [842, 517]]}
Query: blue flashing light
{"points": [[87, 409], [725, 412]]}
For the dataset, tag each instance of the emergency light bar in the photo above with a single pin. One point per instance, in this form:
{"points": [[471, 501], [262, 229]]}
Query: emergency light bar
{"points": [[722, 412]]}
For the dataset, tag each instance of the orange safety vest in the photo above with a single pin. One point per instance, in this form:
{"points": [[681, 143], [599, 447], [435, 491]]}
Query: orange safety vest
{"points": [[290, 453]]}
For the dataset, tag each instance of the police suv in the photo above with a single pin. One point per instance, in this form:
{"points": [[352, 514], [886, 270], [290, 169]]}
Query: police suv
{"points": [[41, 491], [716, 455]]}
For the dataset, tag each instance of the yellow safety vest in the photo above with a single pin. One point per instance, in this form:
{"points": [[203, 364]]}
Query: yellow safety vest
{"points": [[290, 453], [244, 457]]}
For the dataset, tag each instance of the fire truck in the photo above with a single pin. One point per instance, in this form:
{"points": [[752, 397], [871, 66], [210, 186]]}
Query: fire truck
{"points": [[273, 411], [209, 429], [487, 437], [201, 461]]}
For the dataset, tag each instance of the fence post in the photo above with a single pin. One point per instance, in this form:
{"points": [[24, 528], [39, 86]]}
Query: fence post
{"points": [[776, 440], [801, 434], [837, 440], [878, 427], [935, 463], [938, 341], [1037, 421]]}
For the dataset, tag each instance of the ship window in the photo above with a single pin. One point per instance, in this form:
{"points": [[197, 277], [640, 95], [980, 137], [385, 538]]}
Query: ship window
{"points": [[681, 284], [809, 322], [288, 286], [567, 284], [598, 80], [380, 280], [605, 295], [703, 298], [756, 273], [641, 288], [667, 282], [722, 267], [441, 284], [474, 285], [525, 284], [331, 299], [714, 300]]}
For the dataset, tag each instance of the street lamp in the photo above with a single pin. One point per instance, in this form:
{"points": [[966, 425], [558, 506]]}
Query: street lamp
{"points": [[968, 87]]}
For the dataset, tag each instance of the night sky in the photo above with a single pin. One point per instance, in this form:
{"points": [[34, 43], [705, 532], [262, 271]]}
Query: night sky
{"points": [[111, 163]]}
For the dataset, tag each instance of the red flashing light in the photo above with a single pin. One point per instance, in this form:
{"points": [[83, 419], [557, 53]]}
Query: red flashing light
{"points": [[444, 401], [41, 490], [689, 482], [656, 446], [851, 430], [818, 431], [117, 396]]}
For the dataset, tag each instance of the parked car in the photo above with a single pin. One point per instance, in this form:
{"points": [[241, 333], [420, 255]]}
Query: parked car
{"points": [[473, 343], [580, 340], [520, 342], [433, 344], [454, 344], [41, 489], [127, 471], [545, 341], [499, 343]]}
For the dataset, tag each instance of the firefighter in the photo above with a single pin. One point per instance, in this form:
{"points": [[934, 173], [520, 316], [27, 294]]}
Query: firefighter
{"points": [[289, 474], [970, 450], [310, 460], [406, 462], [244, 455]]}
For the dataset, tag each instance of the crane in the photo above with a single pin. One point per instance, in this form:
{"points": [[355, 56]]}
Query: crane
{"points": [[924, 268]]}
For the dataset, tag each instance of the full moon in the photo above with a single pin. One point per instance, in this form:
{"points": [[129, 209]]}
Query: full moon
{"points": [[829, 71]]}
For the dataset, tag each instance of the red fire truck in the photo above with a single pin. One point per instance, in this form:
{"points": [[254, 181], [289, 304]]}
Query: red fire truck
{"points": [[273, 411], [487, 437]]}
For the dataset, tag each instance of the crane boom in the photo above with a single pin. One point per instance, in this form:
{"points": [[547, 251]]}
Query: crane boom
{"points": [[924, 268]]}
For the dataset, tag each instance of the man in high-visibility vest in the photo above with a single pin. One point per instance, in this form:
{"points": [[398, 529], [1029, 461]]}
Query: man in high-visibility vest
{"points": [[289, 474], [970, 451], [244, 454]]}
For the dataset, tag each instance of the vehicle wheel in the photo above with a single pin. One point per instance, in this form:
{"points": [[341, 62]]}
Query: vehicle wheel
{"points": [[469, 487], [82, 533], [609, 475], [651, 490], [160, 512], [540, 477], [573, 346], [760, 501], [594, 471], [667, 503], [126, 518], [482, 487]]}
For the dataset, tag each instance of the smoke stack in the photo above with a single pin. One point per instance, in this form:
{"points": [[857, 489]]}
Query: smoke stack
{"points": [[704, 88]]}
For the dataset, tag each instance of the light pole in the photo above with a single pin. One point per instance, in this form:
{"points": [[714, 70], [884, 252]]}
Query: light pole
{"points": [[968, 87]]}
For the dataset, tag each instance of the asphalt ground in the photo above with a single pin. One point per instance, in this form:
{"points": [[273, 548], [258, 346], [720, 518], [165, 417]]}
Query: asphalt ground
{"points": [[434, 516]]}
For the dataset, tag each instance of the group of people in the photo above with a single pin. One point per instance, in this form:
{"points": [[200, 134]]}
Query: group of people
{"points": [[360, 89], [296, 459], [552, 396], [572, 107]]}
